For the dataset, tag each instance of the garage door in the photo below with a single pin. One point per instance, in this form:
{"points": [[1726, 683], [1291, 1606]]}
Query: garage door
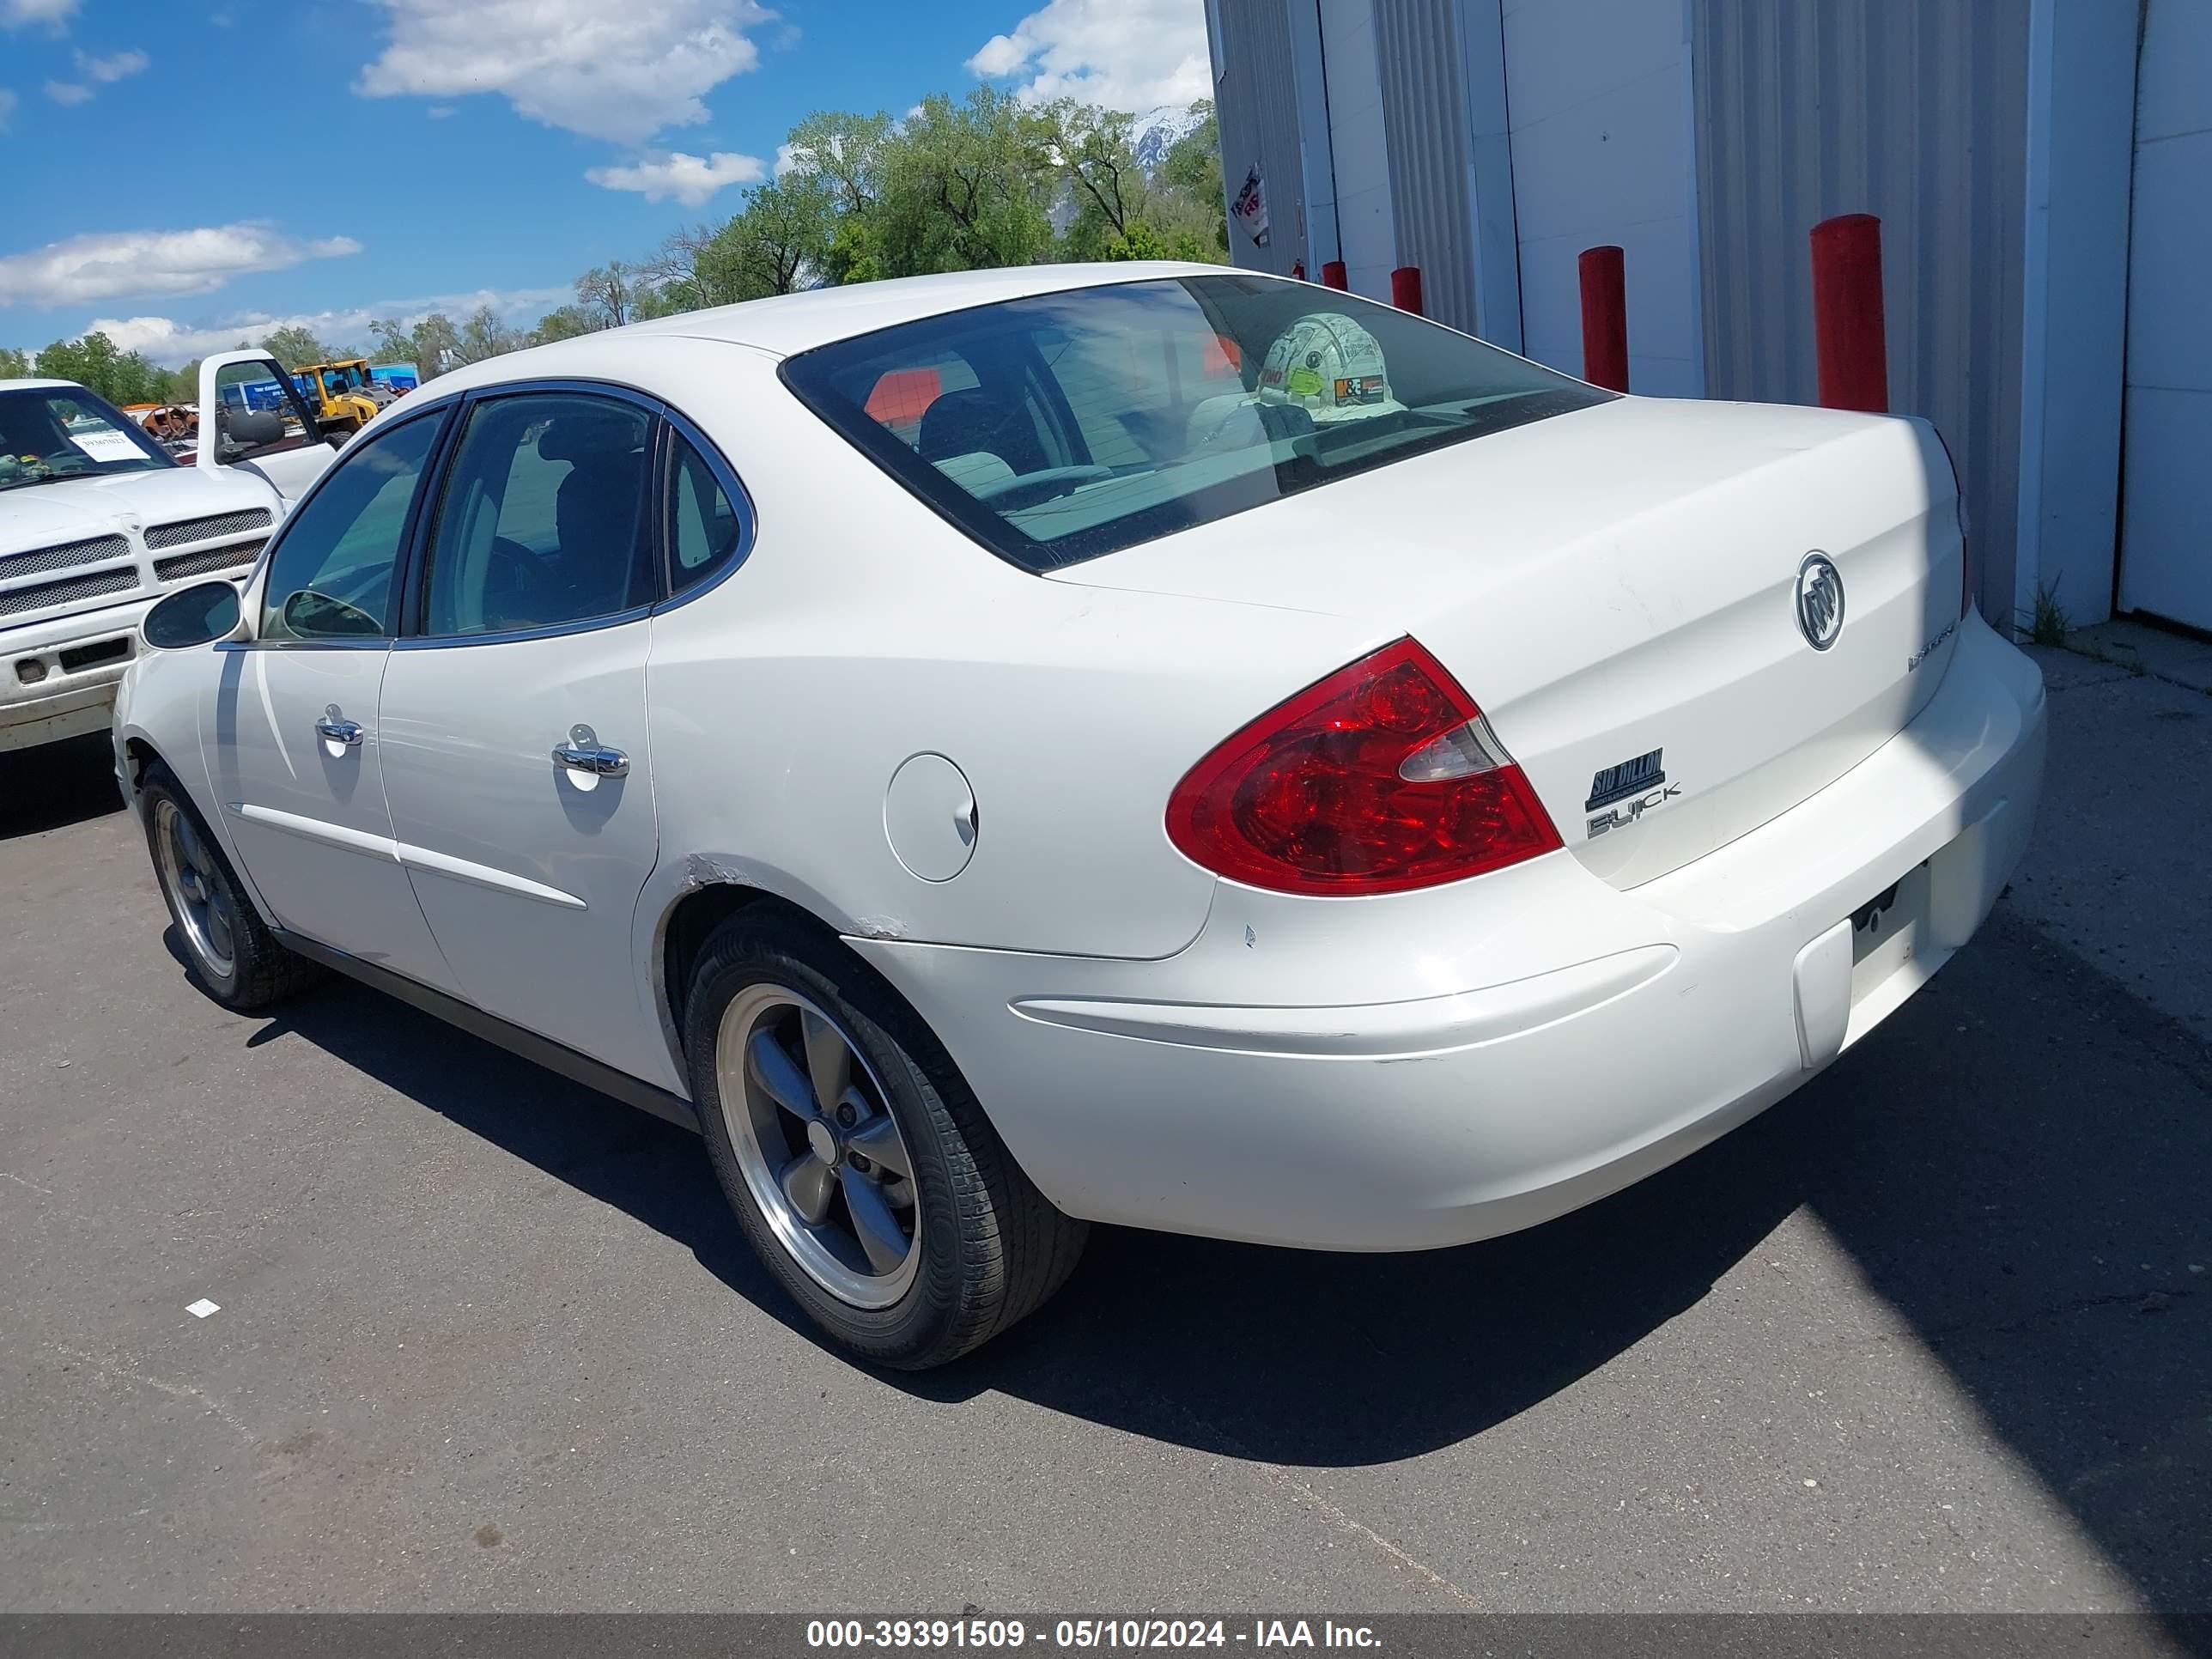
{"points": [[2166, 546]]}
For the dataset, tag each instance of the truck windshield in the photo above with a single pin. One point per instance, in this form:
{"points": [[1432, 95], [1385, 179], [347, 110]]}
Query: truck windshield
{"points": [[48, 433], [1060, 427]]}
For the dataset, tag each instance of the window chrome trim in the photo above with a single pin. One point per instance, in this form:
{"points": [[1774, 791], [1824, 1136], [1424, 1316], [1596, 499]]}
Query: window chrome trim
{"points": [[406, 636], [517, 635], [257, 575]]}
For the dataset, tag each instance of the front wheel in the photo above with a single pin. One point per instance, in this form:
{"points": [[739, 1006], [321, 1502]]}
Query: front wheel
{"points": [[227, 946], [861, 1168]]}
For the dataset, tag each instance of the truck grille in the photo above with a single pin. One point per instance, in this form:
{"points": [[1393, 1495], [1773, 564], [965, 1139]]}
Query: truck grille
{"points": [[215, 558], [199, 530], [66, 554], [15, 600]]}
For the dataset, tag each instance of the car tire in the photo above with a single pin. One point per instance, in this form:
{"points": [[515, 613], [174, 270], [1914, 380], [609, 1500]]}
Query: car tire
{"points": [[983, 1247], [228, 949]]}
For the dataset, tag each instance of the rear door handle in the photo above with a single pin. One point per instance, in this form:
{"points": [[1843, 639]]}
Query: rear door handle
{"points": [[337, 728], [583, 752]]}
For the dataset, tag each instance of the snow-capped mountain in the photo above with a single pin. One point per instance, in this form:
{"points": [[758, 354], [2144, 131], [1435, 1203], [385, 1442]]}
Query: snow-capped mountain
{"points": [[1155, 133]]}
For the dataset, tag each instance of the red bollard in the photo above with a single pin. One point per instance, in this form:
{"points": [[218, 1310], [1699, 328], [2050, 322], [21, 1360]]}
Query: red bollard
{"points": [[1332, 276], [1848, 332], [1406, 289], [1605, 317]]}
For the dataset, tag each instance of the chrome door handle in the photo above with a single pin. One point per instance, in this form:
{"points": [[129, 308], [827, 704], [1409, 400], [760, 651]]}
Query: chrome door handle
{"points": [[588, 757], [583, 752], [338, 730]]}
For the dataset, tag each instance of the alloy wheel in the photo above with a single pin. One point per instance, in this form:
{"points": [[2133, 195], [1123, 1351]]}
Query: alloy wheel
{"points": [[202, 900], [817, 1145]]}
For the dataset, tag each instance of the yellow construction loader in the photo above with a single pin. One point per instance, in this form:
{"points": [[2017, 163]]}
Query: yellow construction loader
{"points": [[344, 395]]}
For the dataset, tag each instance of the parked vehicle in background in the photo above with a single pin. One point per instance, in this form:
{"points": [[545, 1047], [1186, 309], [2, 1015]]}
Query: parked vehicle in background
{"points": [[400, 377], [345, 395], [1139, 744], [98, 519], [175, 427]]}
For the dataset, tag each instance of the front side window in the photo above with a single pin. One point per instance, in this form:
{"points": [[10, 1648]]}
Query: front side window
{"points": [[543, 520], [1092, 420], [330, 577], [52, 434]]}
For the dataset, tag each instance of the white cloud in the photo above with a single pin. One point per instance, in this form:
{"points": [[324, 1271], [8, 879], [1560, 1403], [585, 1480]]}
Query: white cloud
{"points": [[68, 92], [55, 14], [690, 180], [170, 343], [620, 72], [101, 266], [119, 67], [1131, 55], [790, 158]]}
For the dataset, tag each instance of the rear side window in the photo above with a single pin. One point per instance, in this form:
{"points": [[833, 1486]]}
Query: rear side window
{"points": [[543, 520], [705, 532], [1061, 427]]}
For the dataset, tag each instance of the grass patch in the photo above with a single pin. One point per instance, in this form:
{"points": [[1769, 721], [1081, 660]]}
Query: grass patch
{"points": [[2047, 623]]}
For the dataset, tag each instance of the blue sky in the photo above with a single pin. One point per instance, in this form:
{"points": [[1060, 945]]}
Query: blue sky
{"points": [[189, 173]]}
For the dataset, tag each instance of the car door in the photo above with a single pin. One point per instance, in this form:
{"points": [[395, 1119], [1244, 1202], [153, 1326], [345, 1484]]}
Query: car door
{"points": [[292, 745], [516, 757], [288, 459]]}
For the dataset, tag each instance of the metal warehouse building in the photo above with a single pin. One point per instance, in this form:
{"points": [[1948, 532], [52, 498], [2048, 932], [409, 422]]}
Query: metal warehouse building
{"points": [[2042, 169]]}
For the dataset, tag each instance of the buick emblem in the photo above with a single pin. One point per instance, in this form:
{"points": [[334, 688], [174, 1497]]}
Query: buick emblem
{"points": [[1820, 600]]}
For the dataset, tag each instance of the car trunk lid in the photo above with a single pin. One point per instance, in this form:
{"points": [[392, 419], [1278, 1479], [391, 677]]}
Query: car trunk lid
{"points": [[1618, 589]]}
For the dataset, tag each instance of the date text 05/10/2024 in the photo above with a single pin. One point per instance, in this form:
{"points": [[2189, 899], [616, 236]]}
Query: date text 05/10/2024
{"points": [[1085, 1633]]}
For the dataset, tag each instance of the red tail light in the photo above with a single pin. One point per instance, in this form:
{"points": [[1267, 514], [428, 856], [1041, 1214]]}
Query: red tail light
{"points": [[1382, 777]]}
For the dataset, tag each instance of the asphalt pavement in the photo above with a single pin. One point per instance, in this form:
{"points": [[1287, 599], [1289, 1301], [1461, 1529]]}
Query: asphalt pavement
{"points": [[1934, 1333]]}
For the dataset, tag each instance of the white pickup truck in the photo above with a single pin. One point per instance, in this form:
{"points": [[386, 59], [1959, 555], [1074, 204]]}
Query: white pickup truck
{"points": [[97, 522]]}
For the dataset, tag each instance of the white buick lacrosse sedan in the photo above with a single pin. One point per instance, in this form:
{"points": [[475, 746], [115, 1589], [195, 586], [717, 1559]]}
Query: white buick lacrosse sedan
{"points": [[1137, 744]]}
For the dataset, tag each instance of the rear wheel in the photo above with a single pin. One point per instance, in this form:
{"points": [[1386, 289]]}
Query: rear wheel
{"points": [[863, 1172], [227, 946]]}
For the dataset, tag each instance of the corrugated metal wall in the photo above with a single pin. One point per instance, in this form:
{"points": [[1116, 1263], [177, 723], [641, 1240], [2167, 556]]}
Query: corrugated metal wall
{"points": [[1258, 111], [1916, 112], [1425, 124]]}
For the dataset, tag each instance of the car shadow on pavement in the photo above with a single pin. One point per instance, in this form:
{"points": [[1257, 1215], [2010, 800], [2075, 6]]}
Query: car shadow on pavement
{"points": [[56, 785], [2021, 1165]]}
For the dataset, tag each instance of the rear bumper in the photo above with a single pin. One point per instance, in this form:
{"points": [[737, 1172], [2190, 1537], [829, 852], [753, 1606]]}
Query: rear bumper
{"points": [[67, 701], [1430, 1068]]}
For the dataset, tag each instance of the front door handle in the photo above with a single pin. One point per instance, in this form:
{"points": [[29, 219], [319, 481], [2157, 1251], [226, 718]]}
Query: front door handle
{"points": [[583, 752], [336, 728]]}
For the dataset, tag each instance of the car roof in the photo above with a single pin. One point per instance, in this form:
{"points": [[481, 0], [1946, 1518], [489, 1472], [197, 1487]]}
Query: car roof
{"points": [[790, 323], [797, 322], [35, 385]]}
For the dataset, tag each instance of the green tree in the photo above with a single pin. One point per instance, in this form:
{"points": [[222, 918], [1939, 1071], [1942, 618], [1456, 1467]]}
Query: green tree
{"points": [[1192, 171], [395, 341], [484, 335], [563, 323], [780, 242], [92, 361], [608, 292], [1091, 147], [432, 345], [15, 365], [691, 270], [965, 186], [1147, 241], [846, 152], [295, 346]]}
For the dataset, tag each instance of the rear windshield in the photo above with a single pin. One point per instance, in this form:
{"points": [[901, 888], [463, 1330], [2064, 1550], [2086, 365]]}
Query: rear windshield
{"points": [[1064, 426]]}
